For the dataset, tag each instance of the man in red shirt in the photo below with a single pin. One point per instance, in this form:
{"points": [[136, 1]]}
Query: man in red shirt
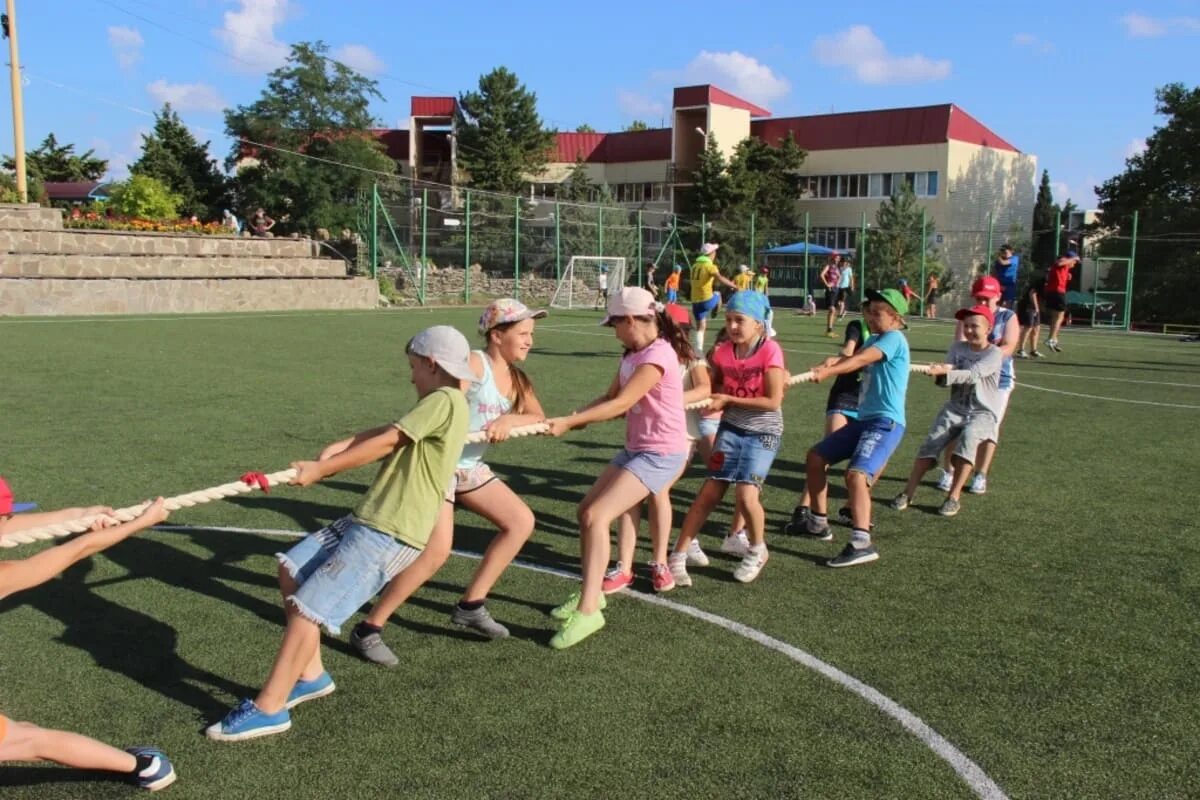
{"points": [[1055, 298]]}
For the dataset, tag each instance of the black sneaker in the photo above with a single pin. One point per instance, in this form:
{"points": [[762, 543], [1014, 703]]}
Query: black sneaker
{"points": [[844, 516], [795, 526], [372, 648], [852, 556]]}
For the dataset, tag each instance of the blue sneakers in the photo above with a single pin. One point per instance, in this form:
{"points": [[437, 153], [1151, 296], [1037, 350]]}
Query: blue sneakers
{"points": [[153, 770], [248, 721], [310, 690]]}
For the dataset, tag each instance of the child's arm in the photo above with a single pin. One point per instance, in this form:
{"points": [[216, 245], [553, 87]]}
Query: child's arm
{"points": [[1012, 334], [16, 576], [642, 381], [774, 382], [701, 385], [499, 428], [948, 375], [860, 360], [366, 447]]}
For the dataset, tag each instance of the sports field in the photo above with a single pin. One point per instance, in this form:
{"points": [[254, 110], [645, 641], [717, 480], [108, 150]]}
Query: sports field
{"points": [[1043, 643]]}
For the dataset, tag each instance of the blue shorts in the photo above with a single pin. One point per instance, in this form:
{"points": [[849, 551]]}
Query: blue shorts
{"points": [[672, 295], [1008, 294], [340, 567], [704, 310], [656, 471], [708, 425], [867, 443], [741, 456]]}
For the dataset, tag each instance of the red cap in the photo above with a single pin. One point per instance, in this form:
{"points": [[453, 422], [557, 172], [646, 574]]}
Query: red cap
{"points": [[7, 506], [987, 286], [976, 311], [678, 313]]}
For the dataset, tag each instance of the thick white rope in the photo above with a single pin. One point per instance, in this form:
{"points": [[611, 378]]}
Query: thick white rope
{"points": [[275, 478], [133, 512]]}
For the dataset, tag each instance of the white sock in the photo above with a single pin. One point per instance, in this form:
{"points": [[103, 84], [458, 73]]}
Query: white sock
{"points": [[860, 539], [699, 337]]}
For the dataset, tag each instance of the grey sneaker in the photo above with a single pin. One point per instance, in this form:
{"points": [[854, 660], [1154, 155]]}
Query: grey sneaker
{"points": [[852, 556], [816, 530], [949, 508], [372, 648], [480, 621], [899, 502], [978, 484]]}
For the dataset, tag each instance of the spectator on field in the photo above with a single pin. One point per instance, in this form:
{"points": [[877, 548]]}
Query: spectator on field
{"points": [[1054, 299], [261, 224], [932, 285], [1005, 269], [229, 222]]}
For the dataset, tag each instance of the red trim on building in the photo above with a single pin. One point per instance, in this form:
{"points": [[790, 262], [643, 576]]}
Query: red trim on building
{"points": [[613, 148], [707, 94], [965, 128], [433, 106], [893, 127], [395, 142], [571, 147]]}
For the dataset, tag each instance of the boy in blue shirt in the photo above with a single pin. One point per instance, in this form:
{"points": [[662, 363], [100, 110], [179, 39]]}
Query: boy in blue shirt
{"points": [[870, 440]]}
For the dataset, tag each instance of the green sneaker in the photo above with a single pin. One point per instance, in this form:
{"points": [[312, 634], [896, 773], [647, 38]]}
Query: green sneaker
{"points": [[577, 628], [564, 611]]}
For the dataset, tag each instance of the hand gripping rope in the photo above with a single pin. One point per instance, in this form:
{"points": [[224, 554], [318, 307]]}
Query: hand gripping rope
{"points": [[252, 480]]}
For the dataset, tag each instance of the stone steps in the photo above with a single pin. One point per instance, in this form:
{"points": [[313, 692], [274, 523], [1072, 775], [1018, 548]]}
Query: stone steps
{"points": [[28, 265], [106, 243], [30, 217]]}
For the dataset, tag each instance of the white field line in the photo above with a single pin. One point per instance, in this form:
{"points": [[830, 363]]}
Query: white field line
{"points": [[1109, 399], [1039, 373], [971, 773]]}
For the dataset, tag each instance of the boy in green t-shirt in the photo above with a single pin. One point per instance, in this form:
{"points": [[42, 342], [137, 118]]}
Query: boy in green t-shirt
{"points": [[333, 572]]}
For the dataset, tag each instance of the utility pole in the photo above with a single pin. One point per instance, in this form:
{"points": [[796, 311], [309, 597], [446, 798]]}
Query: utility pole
{"points": [[14, 64]]}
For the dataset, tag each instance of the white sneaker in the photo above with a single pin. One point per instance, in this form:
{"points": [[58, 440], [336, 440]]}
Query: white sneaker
{"points": [[978, 484], [946, 481], [736, 544], [752, 564], [677, 563], [696, 557]]}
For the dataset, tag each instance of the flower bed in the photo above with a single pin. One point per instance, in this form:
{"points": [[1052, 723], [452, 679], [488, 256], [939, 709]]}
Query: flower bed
{"points": [[97, 222]]}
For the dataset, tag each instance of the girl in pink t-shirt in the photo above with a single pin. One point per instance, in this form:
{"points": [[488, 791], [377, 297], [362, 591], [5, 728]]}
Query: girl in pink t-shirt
{"points": [[749, 376], [648, 391]]}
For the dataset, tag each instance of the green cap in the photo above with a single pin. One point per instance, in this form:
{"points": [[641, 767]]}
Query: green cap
{"points": [[892, 297]]}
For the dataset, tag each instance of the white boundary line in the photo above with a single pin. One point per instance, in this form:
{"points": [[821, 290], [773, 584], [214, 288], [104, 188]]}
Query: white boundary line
{"points": [[1109, 399], [968, 770], [1039, 373]]}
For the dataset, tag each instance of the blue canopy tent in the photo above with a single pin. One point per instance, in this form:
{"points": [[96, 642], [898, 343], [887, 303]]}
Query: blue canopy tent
{"points": [[790, 270]]}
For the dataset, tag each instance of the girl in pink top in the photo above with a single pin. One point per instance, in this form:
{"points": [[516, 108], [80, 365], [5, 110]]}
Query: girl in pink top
{"points": [[648, 391], [749, 376]]}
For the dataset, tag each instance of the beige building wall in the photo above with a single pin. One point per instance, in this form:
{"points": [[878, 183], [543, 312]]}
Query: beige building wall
{"points": [[729, 126]]}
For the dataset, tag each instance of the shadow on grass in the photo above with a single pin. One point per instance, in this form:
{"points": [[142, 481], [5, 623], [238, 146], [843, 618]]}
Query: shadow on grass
{"points": [[55, 776]]}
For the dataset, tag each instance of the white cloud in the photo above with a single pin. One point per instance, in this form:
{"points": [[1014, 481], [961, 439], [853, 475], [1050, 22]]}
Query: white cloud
{"points": [[126, 44], [1135, 148], [186, 96], [639, 106], [359, 58], [865, 55], [743, 75], [1140, 26], [249, 34], [1033, 42]]}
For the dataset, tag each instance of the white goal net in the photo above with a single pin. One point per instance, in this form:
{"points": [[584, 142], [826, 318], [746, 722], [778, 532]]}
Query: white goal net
{"points": [[587, 281]]}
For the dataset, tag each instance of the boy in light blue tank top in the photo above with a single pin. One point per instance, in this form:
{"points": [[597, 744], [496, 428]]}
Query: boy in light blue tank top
{"points": [[502, 399]]}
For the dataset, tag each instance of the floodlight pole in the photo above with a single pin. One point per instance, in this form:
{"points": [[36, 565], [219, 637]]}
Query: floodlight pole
{"points": [[806, 240], [924, 245], [862, 267], [467, 249], [14, 72], [1129, 274]]}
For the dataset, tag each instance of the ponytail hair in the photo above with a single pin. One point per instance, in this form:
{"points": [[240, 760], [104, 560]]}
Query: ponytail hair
{"points": [[675, 335]]}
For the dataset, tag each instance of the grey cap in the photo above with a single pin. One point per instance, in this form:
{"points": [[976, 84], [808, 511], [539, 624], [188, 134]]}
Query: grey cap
{"points": [[448, 348]]}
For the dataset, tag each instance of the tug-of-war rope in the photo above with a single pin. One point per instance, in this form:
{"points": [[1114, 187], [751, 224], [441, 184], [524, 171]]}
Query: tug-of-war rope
{"points": [[252, 481]]}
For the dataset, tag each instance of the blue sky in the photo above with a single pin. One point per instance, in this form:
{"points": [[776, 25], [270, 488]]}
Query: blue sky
{"points": [[1073, 84]]}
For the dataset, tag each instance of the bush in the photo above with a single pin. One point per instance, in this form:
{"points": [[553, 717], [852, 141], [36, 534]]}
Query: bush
{"points": [[144, 197]]}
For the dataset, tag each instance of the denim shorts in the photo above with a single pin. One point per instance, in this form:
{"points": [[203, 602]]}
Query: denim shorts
{"points": [[705, 309], [867, 443], [741, 456], [656, 471], [708, 425], [340, 567]]}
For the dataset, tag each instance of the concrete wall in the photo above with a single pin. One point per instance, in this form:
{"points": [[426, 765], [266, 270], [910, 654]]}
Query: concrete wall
{"points": [[45, 270]]}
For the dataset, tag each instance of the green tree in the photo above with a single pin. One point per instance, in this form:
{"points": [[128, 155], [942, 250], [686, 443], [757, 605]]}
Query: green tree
{"points": [[304, 149], [894, 245], [145, 197], [637, 125], [584, 128], [1045, 217], [54, 162], [1162, 183], [502, 142], [171, 154], [713, 191]]}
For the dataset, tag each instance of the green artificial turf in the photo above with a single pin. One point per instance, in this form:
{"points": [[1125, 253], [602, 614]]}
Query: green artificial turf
{"points": [[1049, 631]]}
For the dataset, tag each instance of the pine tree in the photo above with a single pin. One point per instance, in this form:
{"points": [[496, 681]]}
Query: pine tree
{"points": [[502, 143], [171, 154], [895, 245], [1045, 216], [54, 162]]}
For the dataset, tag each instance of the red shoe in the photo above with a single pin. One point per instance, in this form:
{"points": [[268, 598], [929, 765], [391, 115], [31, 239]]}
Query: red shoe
{"points": [[615, 580], [661, 577]]}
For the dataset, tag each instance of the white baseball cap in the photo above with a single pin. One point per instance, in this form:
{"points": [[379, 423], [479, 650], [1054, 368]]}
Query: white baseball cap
{"points": [[447, 347], [632, 301]]}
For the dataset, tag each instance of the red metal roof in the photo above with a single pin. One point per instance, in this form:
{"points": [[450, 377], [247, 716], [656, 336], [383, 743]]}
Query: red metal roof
{"points": [[75, 190], [614, 148], [707, 94], [893, 127], [395, 142], [433, 106]]}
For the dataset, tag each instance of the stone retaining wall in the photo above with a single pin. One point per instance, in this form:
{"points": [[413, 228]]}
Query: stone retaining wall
{"points": [[449, 285]]}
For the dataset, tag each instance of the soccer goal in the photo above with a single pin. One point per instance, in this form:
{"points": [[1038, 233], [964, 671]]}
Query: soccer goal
{"points": [[587, 281]]}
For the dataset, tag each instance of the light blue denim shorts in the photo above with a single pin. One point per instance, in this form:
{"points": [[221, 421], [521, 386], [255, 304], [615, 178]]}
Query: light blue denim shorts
{"points": [[656, 471], [741, 456], [708, 425], [340, 567]]}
